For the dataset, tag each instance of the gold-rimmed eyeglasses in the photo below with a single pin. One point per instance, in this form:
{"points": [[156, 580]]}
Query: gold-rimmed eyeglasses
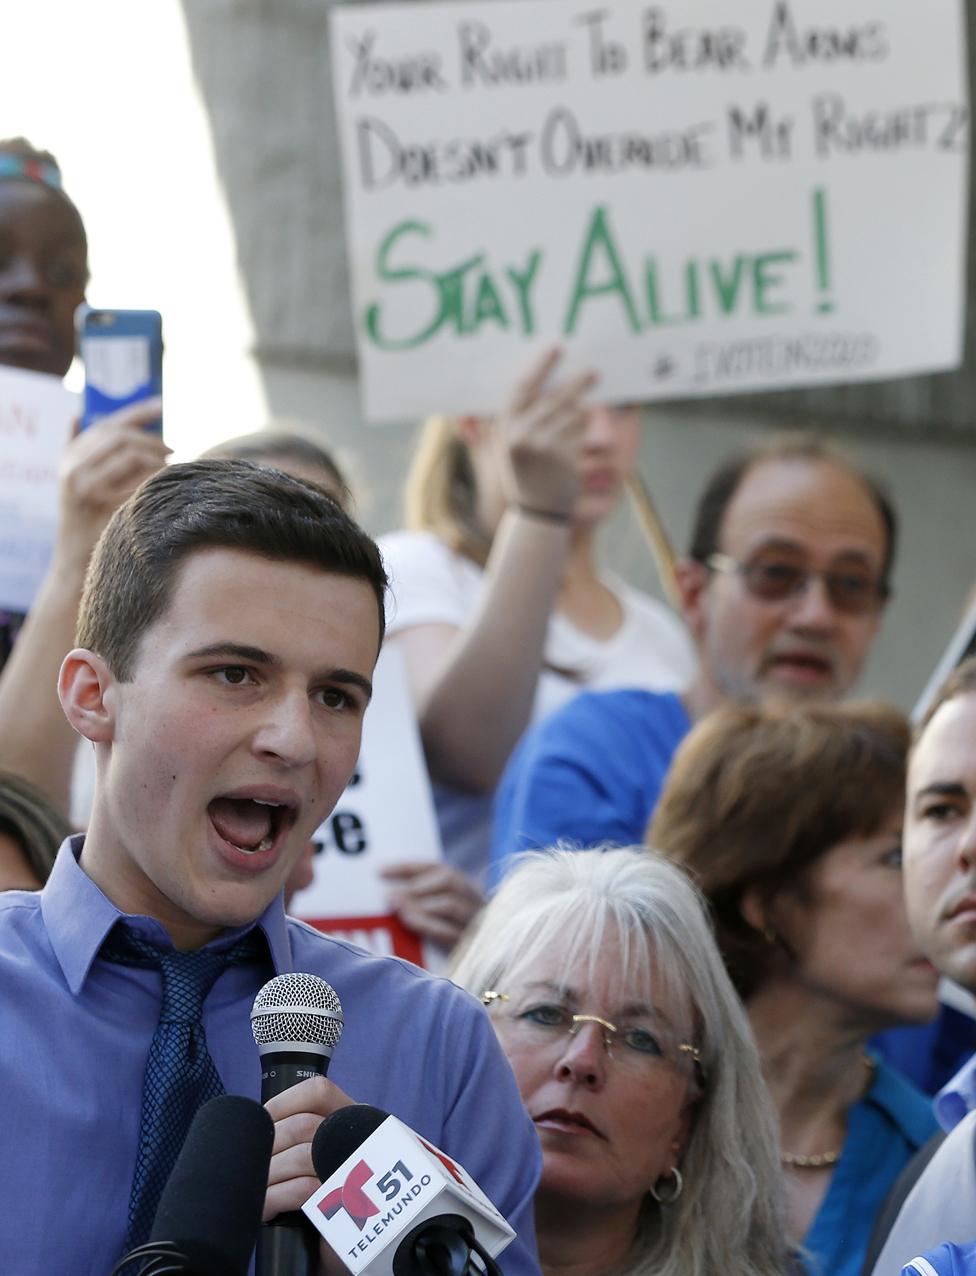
{"points": [[636, 1046]]}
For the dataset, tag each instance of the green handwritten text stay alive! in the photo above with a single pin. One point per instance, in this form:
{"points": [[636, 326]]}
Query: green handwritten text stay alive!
{"points": [[474, 293]]}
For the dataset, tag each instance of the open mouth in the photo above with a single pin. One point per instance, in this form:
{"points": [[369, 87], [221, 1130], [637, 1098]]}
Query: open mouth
{"points": [[802, 666], [250, 825]]}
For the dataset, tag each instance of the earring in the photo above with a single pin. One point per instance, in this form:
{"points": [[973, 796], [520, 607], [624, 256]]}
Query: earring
{"points": [[769, 935], [669, 1195]]}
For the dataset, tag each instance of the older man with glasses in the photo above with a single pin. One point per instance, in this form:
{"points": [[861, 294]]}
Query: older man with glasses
{"points": [[783, 590]]}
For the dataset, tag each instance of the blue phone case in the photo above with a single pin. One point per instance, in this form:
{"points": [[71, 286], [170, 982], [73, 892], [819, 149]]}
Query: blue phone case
{"points": [[123, 356]]}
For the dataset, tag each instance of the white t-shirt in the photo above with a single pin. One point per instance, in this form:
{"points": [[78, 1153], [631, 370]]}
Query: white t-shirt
{"points": [[432, 585]]}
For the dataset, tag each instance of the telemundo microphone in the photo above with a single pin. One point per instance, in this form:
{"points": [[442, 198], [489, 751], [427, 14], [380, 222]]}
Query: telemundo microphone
{"points": [[208, 1216], [297, 1022], [391, 1204]]}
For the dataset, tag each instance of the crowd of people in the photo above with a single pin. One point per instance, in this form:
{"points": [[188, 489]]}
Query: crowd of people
{"points": [[697, 901]]}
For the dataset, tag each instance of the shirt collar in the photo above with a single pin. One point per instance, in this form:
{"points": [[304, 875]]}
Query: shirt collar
{"points": [[957, 1097], [78, 915], [905, 1106]]}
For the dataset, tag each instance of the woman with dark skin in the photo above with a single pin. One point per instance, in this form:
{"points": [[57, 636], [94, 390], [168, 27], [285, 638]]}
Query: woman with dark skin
{"points": [[43, 276]]}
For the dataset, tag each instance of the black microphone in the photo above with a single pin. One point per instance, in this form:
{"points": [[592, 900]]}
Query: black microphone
{"points": [[443, 1245], [341, 1134], [209, 1213], [297, 1023]]}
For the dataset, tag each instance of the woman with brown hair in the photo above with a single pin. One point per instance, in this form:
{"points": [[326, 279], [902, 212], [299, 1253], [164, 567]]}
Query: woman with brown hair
{"points": [[500, 607], [789, 818]]}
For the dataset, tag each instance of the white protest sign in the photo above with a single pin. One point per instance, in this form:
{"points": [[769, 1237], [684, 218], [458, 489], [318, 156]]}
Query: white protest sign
{"points": [[36, 415], [385, 816], [692, 198]]}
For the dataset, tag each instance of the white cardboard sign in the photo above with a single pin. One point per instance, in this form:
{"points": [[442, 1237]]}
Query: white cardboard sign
{"points": [[385, 816], [36, 416], [692, 198]]}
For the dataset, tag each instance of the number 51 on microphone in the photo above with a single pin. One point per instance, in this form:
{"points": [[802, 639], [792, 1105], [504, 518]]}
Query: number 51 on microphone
{"points": [[393, 1181]]}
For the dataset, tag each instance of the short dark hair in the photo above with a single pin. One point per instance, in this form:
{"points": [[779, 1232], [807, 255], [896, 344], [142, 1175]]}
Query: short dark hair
{"points": [[228, 504], [756, 795], [798, 446]]}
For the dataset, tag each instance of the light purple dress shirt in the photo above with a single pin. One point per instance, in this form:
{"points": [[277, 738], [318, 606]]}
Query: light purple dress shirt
{"points": [[75, 1032]]}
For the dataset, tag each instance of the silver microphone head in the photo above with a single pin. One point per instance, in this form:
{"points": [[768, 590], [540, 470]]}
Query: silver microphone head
{"points": [[297, 1012]]}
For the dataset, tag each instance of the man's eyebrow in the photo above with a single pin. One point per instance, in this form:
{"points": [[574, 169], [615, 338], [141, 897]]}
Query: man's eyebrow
{"points": [[786, 545], [858, 555], [258, 656], [778, 542], [235, 651]]}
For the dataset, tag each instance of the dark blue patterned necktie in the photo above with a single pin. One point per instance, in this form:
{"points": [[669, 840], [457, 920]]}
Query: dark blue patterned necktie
{"points": [[180, 1074]]}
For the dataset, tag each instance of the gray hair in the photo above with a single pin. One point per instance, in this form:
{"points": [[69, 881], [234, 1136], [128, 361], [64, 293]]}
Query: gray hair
{"points": [[728, 1218]]}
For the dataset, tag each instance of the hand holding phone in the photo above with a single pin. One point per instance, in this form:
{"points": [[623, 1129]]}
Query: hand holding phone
{"points": [[100, 468], [123, 356]]}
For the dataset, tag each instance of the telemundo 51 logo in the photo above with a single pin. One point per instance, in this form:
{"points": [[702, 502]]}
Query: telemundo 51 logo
{"points": [[399, 1187]]}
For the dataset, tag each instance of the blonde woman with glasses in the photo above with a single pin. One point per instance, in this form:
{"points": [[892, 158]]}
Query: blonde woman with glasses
{"points": [[635, 1062]]}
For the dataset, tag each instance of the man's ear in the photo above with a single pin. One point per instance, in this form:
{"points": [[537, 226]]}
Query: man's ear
{"points": [[692, 577], [86, 688]]}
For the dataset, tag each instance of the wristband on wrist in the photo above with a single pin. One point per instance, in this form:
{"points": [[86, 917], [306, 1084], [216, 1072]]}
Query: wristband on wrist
{"points": [[562, 517]]}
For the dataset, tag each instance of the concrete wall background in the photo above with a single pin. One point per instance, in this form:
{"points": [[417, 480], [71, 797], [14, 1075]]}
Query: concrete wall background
{"points": [[262, 67]]}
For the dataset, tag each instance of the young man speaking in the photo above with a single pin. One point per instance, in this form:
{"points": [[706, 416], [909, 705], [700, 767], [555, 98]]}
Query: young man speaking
{"points": [[231, 620]]}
